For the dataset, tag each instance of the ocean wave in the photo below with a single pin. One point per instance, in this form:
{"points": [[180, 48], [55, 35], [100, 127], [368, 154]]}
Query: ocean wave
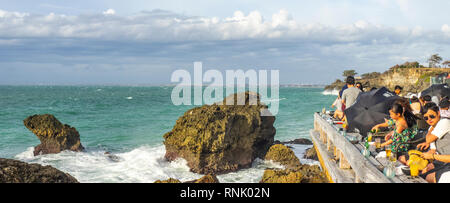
{"points": [[272, 100], [144, 164]]}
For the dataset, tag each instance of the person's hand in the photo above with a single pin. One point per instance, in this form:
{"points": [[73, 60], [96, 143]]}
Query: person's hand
{"points": [[374, 129], [423, 146], [427, 155], [388, 136]]}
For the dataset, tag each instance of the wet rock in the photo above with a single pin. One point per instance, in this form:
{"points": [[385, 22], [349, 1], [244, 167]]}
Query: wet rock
{"points": [[205, 179], [302, 174], [112, 157], [283, 155], [170, 180], [294, 171], [281, 176], [311, 154], [13, 171], [217, 139], [54, 136]]}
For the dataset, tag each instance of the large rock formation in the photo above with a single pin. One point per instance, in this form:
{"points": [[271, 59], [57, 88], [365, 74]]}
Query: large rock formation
{"points": [[54, 136], [13, 171], [216, 139], [294, 171]]}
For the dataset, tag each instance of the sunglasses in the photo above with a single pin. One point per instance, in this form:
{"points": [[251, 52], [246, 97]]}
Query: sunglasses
{"points": [[431, 117]]}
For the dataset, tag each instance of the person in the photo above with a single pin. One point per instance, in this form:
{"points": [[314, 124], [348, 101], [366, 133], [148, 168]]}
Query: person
{"points": [[359, 86], [351, 93], [416, 109], [338, 113], [398, 89], [425, 99], [438, 143], [404, 128], [444, 106]]}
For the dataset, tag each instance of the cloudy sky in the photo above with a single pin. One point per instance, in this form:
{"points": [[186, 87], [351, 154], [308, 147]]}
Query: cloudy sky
{"points": [[144, 41]]}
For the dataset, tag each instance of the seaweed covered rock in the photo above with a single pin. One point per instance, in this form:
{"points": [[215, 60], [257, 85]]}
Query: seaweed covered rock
{"points": [[54, 136], [13, 171], [294, 171], [223, 137], [283, 155]]}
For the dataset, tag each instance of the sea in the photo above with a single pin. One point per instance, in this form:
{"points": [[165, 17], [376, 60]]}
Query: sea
{"points": [[129, 122]]}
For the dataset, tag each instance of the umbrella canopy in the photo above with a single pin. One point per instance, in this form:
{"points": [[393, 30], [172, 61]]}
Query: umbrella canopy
{"points": [[370, 109], [440, 90]]}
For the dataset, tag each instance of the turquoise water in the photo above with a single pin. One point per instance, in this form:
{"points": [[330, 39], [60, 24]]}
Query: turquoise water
{"points": [[130, 123]]}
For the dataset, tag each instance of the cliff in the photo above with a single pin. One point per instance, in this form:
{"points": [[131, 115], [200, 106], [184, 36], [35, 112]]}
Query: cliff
{"points": [[411, 79]]}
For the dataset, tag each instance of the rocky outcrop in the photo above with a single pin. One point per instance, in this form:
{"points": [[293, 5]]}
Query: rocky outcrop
{"points": [[54, 136], [204, 179], [311, 154], [302, 174], [281, 176], [217, 139], [294, 171], [302, 141], [13, 171], [283, 155]]}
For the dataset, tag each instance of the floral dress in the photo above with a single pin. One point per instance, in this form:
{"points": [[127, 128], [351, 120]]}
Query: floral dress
{"points": [[400, 140]]}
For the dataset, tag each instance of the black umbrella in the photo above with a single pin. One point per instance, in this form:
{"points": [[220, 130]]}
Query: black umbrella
{"points": [[440, 90], [370, 109]]}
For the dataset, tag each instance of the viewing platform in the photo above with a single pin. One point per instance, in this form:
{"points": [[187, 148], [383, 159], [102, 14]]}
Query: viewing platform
{"points": [[342, 160]]}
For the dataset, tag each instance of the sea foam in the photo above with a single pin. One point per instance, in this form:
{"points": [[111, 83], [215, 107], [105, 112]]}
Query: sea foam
{"points": [[144, 164]]}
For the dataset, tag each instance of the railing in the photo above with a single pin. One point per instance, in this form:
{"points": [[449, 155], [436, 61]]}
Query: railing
{"points": [[342, 161]]}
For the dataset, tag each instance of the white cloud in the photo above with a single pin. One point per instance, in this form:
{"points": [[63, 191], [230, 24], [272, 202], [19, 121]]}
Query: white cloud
{"points": [[161, 25], [109, 12]]}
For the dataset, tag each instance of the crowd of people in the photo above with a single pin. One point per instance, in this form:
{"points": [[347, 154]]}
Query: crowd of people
{"points": [[410, 119]]}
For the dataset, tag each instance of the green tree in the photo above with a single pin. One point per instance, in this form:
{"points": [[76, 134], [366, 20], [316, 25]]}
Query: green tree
{"points": [[349, 73], [434, 60]]}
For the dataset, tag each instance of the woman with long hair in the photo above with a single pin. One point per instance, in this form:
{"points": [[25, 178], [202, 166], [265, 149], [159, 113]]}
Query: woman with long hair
{"points": [[403, 123]]}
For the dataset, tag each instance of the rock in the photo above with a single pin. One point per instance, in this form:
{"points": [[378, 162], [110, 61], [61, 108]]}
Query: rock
{"points": [[54, 136], [217, 139], [281, 176], [302, 141], [283, 155], [294, 171], [170, 180], [302, 174], [112, 157], [311, 154], [13, 171], [205, 179]]}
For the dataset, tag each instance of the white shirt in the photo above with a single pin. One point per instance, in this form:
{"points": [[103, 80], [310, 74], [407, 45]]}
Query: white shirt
{"points": [[442, 128]]}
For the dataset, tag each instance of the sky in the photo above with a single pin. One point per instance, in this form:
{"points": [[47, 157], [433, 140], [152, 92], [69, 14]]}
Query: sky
{"points": [[143, 41]]}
